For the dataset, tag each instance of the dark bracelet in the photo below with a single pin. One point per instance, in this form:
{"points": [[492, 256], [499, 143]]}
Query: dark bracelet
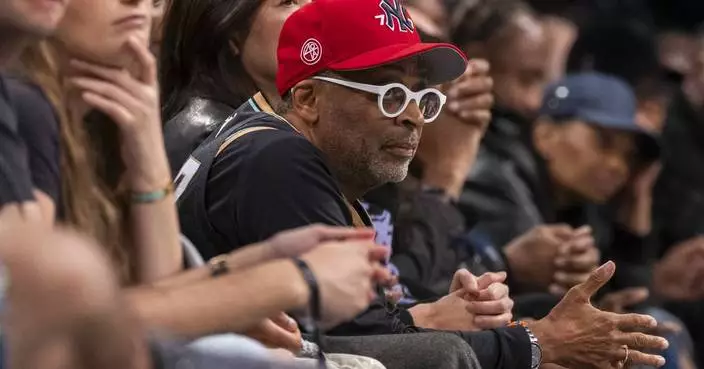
{"points": [[314, 307]]}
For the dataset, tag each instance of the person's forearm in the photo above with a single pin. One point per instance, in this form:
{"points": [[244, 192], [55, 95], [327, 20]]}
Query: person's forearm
{"points": [[155, 234], [229, 303], [237, 261], [636, 215], [451, 174]]}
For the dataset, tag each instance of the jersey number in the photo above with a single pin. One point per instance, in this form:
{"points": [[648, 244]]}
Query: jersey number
{"points": [[185, 175]]}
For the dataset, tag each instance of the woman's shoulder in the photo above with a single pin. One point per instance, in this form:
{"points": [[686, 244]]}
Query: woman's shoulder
{"points": [[31, 104]]}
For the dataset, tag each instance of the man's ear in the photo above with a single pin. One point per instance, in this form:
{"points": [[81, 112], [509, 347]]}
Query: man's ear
{"points": [[545, 136], [304, 101]]}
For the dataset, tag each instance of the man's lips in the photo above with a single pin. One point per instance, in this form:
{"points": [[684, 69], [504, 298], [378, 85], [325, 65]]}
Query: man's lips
{"points": [[406, 150]]}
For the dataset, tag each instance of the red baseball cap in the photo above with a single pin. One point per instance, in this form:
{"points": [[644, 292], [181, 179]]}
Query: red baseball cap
{"points": [[356, 35]]}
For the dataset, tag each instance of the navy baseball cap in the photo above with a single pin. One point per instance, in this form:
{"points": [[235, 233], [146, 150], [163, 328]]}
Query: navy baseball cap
{"points": [[601, 100]]}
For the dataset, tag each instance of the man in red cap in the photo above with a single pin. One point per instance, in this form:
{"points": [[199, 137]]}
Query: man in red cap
{"points": [[355, 81]]}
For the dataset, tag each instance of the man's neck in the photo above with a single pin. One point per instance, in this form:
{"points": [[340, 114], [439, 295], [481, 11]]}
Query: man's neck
{"points": [[12, 42], [350, 186], [271, 95]]}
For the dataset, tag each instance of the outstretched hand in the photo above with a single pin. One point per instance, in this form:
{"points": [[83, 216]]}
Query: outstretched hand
{"points": [[577, 335]]}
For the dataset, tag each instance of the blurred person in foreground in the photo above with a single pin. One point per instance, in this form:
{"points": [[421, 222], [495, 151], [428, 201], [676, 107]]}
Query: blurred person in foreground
{"points": [[40, 268], [313, 159], [679, 203], [21, 22], [92, 327]]}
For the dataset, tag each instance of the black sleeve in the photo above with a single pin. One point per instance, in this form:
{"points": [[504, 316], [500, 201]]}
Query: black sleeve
{"points": [[15, 180], [38, 126], [424, 247], [279, 185], [499, 348], [501, 199], [633, 255]]}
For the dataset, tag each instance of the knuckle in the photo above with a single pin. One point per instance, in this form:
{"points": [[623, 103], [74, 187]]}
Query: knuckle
{"points": [[508, 305], [640, 340]]}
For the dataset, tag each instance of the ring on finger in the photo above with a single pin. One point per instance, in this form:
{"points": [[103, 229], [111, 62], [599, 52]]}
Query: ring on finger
{"points": [[625, 359]]}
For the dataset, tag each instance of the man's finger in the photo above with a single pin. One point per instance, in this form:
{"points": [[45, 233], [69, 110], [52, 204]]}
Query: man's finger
{"points": [[639, 358], [469, 87], [557, 232], [495, 291], [477, 118], [382, 275], [625, 298], [466, 281], [495, 307], [583, 262], [491, 322], [596, 280], [557, 290], [487, 279], [378, 253], [328, 233], [570, 279], [635, 322], [286, 322], [581, 244], [272, 335], [481, 101], [479, 67], [584, 230], [643, 342]]}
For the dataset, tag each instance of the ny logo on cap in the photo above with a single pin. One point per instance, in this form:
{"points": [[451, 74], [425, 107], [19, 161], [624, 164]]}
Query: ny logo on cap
{"points": [[393, 10]]}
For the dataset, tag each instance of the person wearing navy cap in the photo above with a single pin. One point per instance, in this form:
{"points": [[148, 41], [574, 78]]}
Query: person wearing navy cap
{"points": [[357, 88], [584, 161]]}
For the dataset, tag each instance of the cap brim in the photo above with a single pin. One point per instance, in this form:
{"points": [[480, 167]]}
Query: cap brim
{"points": [[440, 62], [648, 144]]}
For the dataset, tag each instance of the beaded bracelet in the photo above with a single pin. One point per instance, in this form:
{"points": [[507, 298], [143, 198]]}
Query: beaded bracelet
{"points": [[151, 196]]}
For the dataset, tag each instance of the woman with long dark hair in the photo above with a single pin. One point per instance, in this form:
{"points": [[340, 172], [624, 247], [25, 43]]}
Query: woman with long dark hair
{"points": [[215, 55]]}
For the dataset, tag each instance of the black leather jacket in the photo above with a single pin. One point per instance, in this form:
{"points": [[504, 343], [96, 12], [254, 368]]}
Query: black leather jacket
{"points": [[187, 129]]}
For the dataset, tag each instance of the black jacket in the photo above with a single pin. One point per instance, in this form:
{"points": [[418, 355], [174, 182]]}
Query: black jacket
{"points": [[510, 192], [426, 235], [679, 193], [187, 129]]}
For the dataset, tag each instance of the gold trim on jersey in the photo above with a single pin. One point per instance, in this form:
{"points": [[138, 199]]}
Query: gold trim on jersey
{"points": [[239, 134], [265, 107]]}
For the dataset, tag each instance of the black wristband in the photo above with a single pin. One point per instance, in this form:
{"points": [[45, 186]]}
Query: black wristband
{"points": [[312, 282], [314, 306]]}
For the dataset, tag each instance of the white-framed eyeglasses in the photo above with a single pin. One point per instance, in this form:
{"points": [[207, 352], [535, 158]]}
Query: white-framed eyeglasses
{"points": [[393, 98]]}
